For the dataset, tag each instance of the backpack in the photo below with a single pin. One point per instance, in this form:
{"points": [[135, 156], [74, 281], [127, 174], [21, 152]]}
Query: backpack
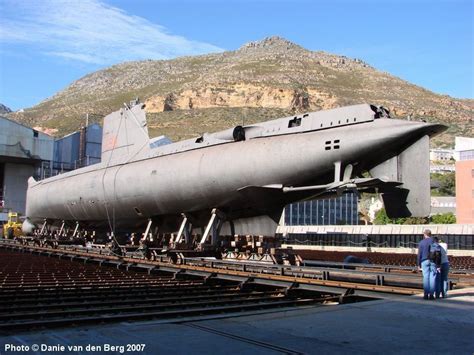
{"points": [[435, 253]]}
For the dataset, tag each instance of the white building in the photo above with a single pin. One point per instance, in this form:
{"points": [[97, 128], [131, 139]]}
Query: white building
{"points": [[464, 148], [442, 168], [22, 152], [439, 154], [443, 204]]}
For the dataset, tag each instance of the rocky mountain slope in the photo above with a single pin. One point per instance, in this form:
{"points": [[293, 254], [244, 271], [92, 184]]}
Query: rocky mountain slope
{"points": [[4, 109], [266, 79]]}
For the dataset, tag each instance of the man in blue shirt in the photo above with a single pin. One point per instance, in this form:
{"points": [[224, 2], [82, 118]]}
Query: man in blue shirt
{"points": [[427, 267]]}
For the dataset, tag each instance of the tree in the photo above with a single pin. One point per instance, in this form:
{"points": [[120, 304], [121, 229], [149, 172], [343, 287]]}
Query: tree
{"points": [[381, 217], [411, 220], [443, 218], [444, 184]]}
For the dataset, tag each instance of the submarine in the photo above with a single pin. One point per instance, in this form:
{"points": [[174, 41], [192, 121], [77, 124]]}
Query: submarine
{"points": [[237, 181]]}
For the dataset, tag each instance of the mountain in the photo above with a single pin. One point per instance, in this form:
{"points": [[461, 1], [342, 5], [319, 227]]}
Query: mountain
{"points": [[4, 109], [271, 78]]}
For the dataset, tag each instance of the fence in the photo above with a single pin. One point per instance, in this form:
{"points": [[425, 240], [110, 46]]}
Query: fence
{"points": [[454, 241]]}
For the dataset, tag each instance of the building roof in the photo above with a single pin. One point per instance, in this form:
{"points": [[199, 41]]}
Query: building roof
{"points": [[18, 141], [9, 121], [463, 143]]}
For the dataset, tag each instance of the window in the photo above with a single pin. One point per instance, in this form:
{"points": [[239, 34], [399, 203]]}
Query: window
{"points": [[295, 122], [159, 142], [35, 133], [329, 143]]}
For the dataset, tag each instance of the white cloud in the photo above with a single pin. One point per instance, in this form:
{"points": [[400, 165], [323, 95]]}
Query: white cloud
{"points": [[90, 31]]}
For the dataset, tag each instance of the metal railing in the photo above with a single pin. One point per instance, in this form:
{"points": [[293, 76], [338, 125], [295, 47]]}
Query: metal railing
{"points": [[454, 241]]}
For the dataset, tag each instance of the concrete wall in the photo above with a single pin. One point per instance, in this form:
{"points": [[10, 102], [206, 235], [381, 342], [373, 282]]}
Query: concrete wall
{"points": [[382, 229], [453, 252], [21, 149], [15, 185]]}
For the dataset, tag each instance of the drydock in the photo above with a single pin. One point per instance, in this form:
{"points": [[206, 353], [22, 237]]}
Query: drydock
{"points": [[74, 295]]}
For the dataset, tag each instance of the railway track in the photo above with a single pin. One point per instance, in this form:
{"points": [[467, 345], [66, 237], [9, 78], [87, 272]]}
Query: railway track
{"points": [[460, 263], [45, 287], [39, 291], [258, 343], [369, 282]]}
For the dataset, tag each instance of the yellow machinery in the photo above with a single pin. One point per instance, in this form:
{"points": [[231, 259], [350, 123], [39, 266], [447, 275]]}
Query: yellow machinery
{"points": [[13, 226]]}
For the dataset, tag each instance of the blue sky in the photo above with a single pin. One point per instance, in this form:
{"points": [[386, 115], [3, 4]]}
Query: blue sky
{"points": [[47, 44]]}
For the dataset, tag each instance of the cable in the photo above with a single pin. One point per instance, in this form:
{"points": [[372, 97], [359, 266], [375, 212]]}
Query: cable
{"points": [[112, 227], [112, 224]]}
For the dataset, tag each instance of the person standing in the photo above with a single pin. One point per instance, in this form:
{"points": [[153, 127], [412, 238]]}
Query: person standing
{"points": [[441, 288], [427, 267]]}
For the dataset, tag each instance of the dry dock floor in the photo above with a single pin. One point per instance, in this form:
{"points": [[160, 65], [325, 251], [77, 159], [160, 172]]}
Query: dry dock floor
{"points": [[404, 325]]}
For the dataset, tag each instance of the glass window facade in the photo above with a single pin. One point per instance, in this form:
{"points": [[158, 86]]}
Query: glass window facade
{"points": [[466, 155], [337, 211]]}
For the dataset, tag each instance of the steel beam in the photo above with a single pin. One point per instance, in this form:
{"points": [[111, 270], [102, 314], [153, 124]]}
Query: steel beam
{"points": [[61, 229], [43, 227], [182, 228], [210, 224], [75, 230], [147, 230]]}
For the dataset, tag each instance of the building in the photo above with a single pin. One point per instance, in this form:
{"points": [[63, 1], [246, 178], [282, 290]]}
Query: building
{"points": [[464, 148], [26, 152], [335, 211], [443, 204], [442, 168], [441, 155], [441, 160], [464, 152], [23, 152], [78, 149]]}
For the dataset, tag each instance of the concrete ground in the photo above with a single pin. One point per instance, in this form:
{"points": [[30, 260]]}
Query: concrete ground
{"points": [[408, 325]]}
